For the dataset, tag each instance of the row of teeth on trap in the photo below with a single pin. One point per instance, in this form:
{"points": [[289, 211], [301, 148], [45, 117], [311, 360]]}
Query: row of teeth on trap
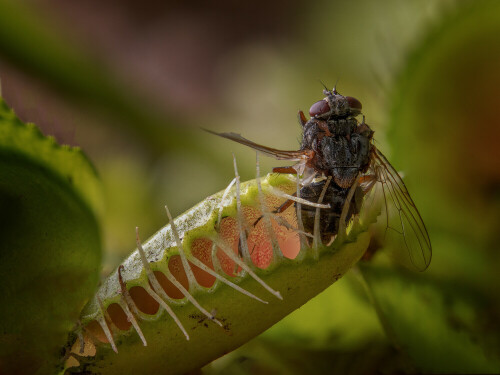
{"points": [[123, 314]]}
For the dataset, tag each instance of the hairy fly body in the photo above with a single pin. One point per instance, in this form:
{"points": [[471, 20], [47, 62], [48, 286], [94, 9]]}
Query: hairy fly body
{"points": [[338, 163]]}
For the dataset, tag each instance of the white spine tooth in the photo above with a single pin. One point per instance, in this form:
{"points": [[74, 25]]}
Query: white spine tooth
{"points": [[184, 291], [300, 224], [185, 263], [126, 302], [221, 203], [317, 234], [267, 220], [163, 304], [80, 338], [104, 325], [125, 294], [282, 221], [215, 260], [243, 237], [133, 321], [229, 252], [279, 193], [156, 285], [90, 338], [187, 267], [200, 264]]}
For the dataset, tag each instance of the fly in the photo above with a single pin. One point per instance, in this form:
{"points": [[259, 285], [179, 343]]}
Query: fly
{"points": [[337, 159]]}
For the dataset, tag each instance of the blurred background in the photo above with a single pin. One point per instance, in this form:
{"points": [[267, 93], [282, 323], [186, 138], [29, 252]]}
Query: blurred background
{"points": [[132, 83]]}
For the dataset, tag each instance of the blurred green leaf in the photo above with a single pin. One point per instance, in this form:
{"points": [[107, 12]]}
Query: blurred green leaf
{"points": [[262, 356], [443, 104], [50, 250], [418, 318], [70, 163]]}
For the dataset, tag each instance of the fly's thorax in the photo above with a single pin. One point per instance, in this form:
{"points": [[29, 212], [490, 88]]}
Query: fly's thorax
{"points": [[343, 126], [310, 134], [315, 130], [342, 151], [345, 156]]}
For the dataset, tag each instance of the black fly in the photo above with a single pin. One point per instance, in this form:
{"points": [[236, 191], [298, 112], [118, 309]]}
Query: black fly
{"points": [[337, 151]]}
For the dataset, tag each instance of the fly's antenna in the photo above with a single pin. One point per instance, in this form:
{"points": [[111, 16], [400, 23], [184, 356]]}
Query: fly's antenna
{"points": [[326, 88], [335, 87]]}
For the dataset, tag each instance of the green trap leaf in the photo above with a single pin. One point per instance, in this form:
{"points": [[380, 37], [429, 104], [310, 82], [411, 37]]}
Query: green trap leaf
{"points": [[50, 250]]}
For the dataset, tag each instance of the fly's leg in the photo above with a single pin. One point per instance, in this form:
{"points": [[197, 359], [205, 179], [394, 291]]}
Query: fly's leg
{"points": [[316, 233], [240, 251], [323, 127], [342, 222], [302, 118], [285, 170], [279, 210], [285, 205], [367, 182]]}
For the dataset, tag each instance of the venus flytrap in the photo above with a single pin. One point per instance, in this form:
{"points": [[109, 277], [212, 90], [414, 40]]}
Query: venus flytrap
{"points": [[229, 255], [50, 248], [209, 281]]}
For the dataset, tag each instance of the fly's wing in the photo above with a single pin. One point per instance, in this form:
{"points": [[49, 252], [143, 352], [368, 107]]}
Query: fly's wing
{"points": [[405, 234], [277, 154]]}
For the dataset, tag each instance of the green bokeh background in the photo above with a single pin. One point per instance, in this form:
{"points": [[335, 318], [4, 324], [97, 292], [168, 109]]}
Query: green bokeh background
{"points": [[132, 84]]}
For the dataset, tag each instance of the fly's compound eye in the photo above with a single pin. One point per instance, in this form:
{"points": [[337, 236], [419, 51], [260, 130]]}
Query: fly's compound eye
{"points": [[319, 108], [354, 105]]}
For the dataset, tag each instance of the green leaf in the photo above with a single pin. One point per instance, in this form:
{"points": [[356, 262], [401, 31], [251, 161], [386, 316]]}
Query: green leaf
{"points": [[418, 318], [295, 278], [443, 104], [50, 250]]}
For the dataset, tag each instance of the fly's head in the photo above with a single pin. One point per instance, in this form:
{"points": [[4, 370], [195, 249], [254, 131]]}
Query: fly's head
{"points": [[335, 105]]}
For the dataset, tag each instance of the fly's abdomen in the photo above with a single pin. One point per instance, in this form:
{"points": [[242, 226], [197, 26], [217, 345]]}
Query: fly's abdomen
{"points": [[329, 220]]}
